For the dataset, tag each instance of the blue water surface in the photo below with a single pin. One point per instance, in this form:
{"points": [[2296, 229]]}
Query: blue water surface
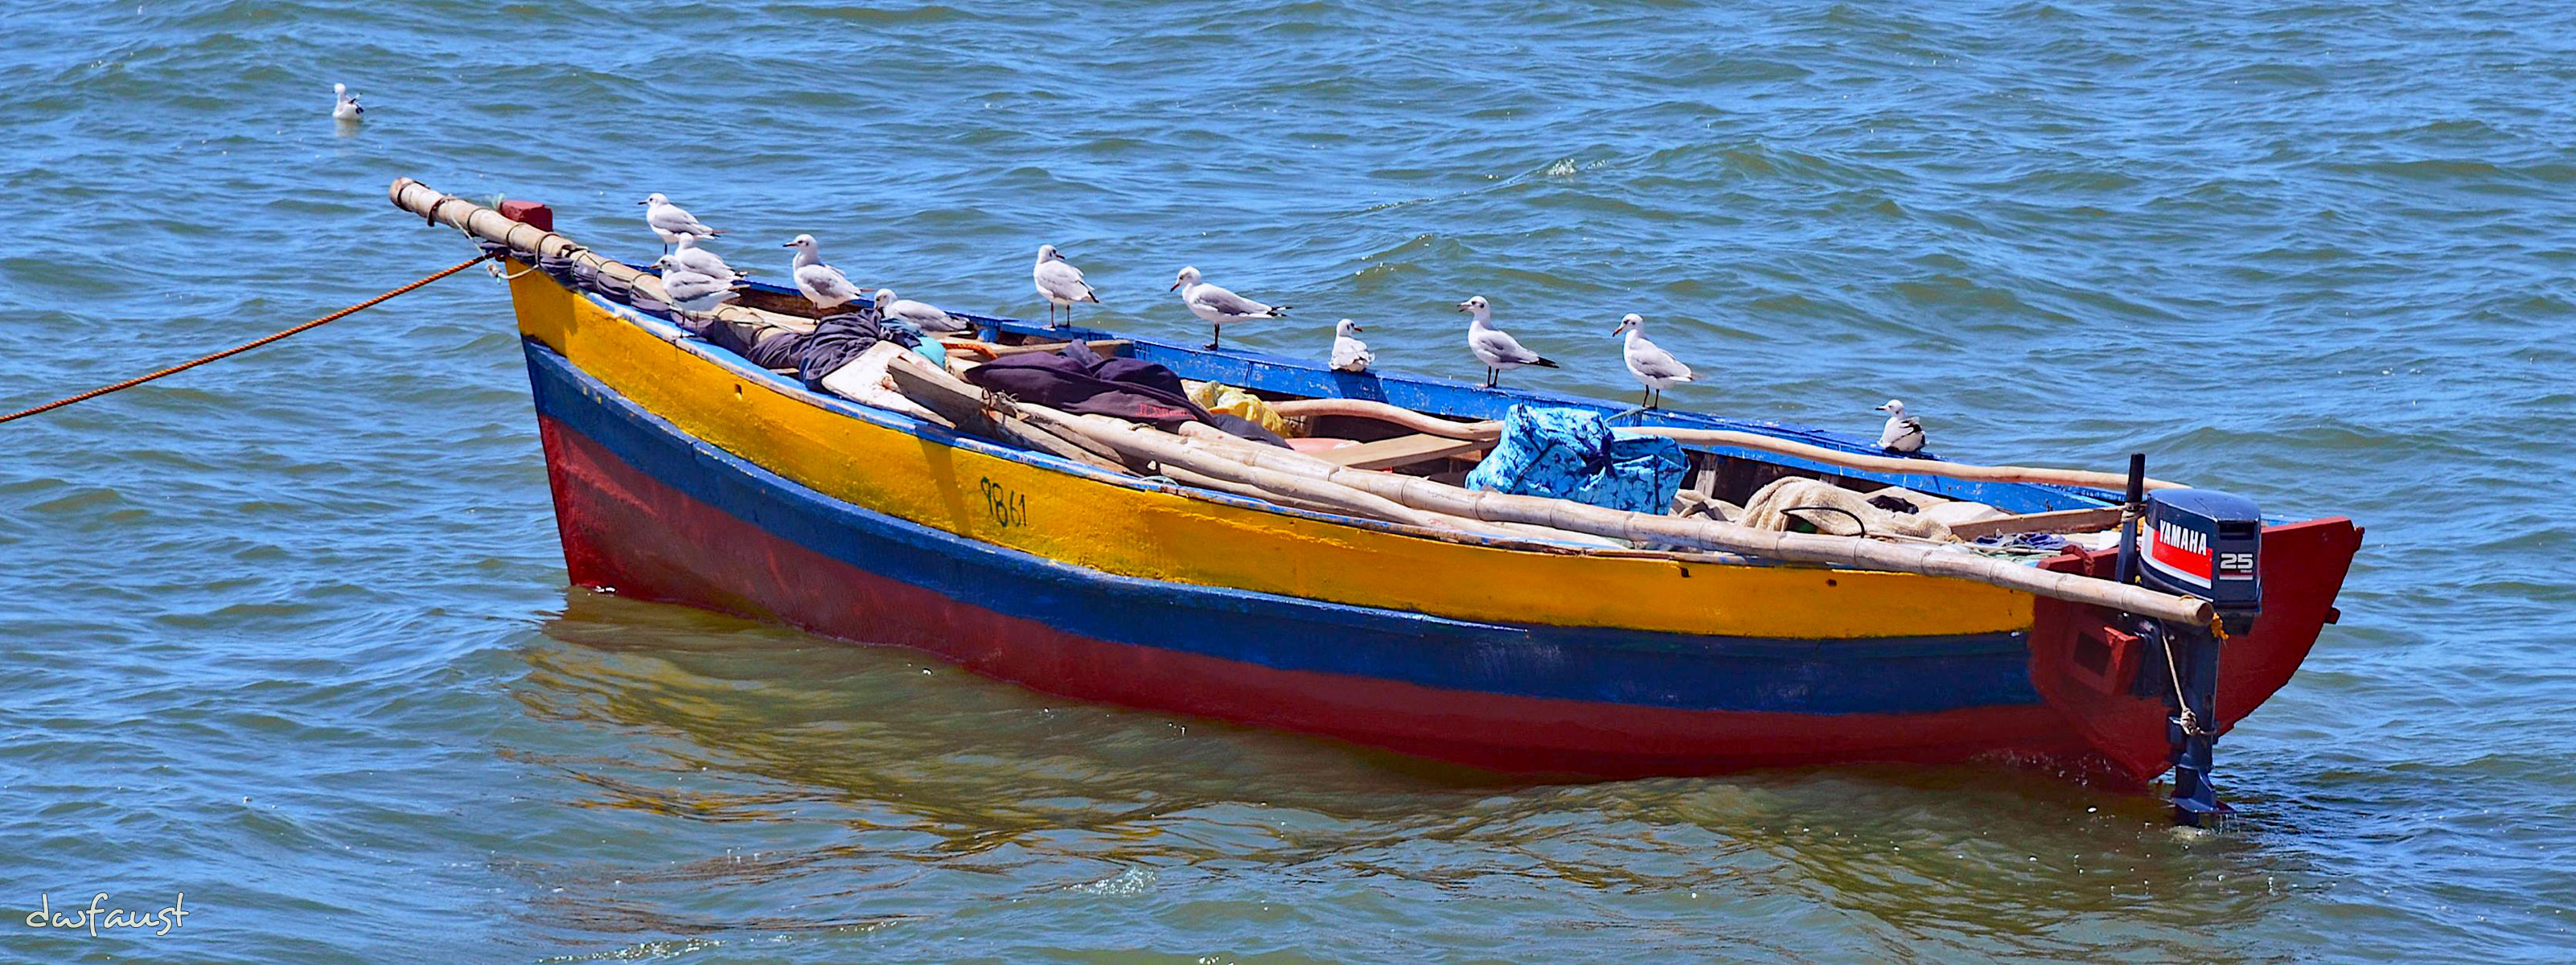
{"points": [[289, 635]]}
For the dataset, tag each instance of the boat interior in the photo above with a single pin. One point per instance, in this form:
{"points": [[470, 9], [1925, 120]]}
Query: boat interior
{"points": [[1719, 481]]}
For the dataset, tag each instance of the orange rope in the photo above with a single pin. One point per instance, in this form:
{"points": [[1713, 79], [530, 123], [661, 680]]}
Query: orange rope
{"points": [[244, 347]]}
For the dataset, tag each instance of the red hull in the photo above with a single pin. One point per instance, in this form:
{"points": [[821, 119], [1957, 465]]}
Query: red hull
{"points": [[2303, 569], [624, 530]]}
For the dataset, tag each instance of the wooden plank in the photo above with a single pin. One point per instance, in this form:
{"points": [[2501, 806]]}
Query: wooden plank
{"points": [[1399, 451], [2063, 521]]}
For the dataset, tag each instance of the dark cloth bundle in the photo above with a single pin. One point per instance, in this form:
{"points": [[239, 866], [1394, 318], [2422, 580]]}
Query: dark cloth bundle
{"points": [[1081, 381], [837, 339], [767, 346]]}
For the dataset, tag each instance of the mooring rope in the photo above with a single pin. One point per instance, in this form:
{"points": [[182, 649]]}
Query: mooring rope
{"points": [[247, 346]]}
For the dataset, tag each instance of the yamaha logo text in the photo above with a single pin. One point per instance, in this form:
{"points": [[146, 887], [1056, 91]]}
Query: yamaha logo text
{"points": [[2190, 541]]}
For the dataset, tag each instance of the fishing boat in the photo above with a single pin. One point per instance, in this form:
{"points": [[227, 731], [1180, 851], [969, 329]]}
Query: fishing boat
{"points": [[683, 472]]}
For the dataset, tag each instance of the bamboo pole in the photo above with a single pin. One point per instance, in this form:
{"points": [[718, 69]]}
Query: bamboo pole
{"points": [[1031, 424], [1489, 430], [528, 242], [1486, 431], [1138, 442], [1920, 467], [1848, 551], [967, 407]]}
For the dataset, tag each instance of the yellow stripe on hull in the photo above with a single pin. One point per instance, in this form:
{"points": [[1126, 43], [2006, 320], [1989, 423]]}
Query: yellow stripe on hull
{"points": [[1092, 523]]}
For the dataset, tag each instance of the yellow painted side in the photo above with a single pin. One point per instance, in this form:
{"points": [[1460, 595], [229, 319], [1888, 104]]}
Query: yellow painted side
{"points": [[1166, 536]]}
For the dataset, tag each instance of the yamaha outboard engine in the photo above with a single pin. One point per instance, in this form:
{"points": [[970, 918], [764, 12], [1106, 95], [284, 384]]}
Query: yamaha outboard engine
{"points": [[2202, 542], [2208, 544]]}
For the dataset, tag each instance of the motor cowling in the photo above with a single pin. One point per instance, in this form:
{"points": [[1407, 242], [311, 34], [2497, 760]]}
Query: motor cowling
{"points": [[2205, 543]]}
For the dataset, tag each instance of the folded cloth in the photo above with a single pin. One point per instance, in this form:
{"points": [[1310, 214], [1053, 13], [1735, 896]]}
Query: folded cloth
{"points": [[1573, 454], [1081, 381], [864, 379]]}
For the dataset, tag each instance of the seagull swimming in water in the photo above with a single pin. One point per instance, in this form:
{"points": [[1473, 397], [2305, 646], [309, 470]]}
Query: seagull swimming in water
{"points": [[822, 284], [1060, 284], [1657, 368], [1350, 354], [704, 262], [1219, 306], [344, 106], [671, 221], [1904, 433], [692, 292], [922, 315], [1500, 352]]}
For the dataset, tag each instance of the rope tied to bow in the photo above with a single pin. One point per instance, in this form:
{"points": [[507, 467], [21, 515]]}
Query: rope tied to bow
{"points": [[249, 345]]}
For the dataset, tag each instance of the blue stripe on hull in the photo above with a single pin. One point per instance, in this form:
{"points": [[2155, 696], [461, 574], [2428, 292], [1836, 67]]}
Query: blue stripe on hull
{"points": [[1878, 675]]}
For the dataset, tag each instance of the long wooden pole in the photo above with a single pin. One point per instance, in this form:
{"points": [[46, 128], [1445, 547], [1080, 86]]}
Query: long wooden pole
{"points": [[528, 242], [1139, 442], [1847, 551], [1921, 467], [1485, 431], [1489, 430]]}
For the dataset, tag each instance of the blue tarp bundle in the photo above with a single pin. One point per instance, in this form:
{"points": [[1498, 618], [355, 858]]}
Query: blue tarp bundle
{"points": [[1572, 454]]}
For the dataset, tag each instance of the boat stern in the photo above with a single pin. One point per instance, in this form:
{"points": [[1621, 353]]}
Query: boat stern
{"points": [[2114, 679]]}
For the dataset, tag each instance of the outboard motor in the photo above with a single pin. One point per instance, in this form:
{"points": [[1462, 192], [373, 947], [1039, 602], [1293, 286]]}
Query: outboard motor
{"points": [[2203, 543]]}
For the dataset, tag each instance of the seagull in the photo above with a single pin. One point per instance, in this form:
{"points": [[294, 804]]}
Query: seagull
{"points": [[1657, 368], [921, 315], [1904, 433], [670, 221], [704, 262], [822, 284], [690, 291], [345, 108], [1350, 354], [1060, 284], [1219, 306], [1500, 352]]}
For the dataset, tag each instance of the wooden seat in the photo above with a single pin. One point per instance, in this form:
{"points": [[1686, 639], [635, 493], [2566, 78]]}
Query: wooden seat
{"points": [[1399, 451]]}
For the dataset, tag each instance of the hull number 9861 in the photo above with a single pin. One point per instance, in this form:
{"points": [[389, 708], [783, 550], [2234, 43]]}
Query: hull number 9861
{"points": [[1007, 508]]}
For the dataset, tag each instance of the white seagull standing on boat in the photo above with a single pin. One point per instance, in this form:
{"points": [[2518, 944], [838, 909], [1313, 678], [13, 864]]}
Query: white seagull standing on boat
{"points": [[704, 262], [922, 315], [1060, 284], [1500, 352], [344, 106], [1657, 368], [1219, 306], [822, 284], [692, 292], [1350, 354], [671, 221], [1904, 433]]}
